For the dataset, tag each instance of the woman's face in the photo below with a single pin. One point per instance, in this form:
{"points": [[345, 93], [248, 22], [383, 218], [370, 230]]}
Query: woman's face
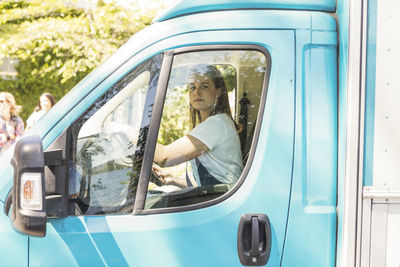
{"points": [[4, 105], [202, 93], [45, 103]]}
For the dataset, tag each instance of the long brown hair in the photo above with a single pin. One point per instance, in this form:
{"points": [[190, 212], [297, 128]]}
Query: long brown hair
{"points": [[222, 105], [49, 97]]}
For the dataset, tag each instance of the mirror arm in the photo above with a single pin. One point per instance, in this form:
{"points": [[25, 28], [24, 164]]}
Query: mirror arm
{"points": [[56, 159]]}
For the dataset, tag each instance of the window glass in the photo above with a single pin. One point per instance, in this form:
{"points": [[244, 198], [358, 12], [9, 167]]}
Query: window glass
{"points": [[207, 125], [108, 144]]}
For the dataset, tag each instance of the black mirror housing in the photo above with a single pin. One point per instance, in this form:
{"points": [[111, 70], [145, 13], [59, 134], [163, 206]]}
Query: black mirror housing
{"points": [[28, 199]]}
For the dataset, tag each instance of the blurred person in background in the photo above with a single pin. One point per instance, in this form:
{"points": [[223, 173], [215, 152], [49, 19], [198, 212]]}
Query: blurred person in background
{"points": [[11, 125], [46, 102]]}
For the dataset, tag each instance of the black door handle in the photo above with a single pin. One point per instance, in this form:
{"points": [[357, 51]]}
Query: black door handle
{"points": [[254, 239]]}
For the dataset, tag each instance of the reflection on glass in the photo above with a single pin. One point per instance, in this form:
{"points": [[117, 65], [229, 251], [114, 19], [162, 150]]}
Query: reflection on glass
{"points": [[108, 144]]}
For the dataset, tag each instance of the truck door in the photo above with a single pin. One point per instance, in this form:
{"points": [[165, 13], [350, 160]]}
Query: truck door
{"points": [[123, 212]]}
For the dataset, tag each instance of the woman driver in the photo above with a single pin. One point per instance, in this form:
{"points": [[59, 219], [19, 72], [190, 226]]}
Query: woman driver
{"points": [[212, 145]]}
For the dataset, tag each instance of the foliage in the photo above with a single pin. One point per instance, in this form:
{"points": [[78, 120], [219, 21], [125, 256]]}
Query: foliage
{"points": [[57, 43], [175, 117]]}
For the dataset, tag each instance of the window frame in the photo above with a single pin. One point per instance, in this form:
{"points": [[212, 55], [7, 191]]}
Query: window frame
{"points": [[155, 121]]}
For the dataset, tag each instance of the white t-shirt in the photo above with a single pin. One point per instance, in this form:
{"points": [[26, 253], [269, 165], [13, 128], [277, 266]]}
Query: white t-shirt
{"points": [[34, 117], [224, 160]]}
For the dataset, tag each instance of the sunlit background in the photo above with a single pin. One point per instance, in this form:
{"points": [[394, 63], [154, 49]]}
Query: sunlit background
{"points": [[50, 45]]}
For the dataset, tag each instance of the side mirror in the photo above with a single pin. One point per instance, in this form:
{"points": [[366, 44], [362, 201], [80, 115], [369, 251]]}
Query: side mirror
{"points": [[28, 198]]}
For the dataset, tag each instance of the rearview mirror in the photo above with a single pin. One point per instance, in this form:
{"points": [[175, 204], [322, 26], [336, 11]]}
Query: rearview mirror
{"points": [[28, 199]]}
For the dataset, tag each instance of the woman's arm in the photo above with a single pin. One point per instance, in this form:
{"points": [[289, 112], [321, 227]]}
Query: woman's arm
{"points": [[181, 150]]}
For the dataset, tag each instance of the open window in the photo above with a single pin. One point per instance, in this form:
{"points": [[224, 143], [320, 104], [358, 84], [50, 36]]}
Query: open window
{"points": [[244, 73]]}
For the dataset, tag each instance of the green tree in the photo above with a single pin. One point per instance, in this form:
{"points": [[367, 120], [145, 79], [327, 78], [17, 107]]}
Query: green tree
{"points": [[57, 43]]}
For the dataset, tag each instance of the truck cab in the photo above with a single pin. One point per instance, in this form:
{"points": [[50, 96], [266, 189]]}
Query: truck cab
{"points": [[83, 188]]}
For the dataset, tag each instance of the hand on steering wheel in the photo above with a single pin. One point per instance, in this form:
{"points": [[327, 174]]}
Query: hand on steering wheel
{"points": [[163, 176]]}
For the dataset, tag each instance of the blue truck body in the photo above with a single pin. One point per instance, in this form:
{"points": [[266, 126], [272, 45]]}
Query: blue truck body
{"points": [[295, 173]]}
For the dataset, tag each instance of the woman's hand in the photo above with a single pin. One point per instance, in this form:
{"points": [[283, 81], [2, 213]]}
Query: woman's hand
{"points": [[12, 136], [163, 176], [3, 138], [166, 178]]}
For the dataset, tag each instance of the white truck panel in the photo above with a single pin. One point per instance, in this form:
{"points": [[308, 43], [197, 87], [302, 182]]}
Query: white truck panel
{"points": [[380, 233], [380, 228], [386, 169], [393, 240]]}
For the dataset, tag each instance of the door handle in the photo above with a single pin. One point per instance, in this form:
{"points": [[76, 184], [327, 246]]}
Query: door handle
{"points": [[254, 239]]}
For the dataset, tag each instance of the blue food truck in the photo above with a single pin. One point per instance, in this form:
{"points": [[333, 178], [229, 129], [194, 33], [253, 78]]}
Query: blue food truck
{"points": [[311, 86]]}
